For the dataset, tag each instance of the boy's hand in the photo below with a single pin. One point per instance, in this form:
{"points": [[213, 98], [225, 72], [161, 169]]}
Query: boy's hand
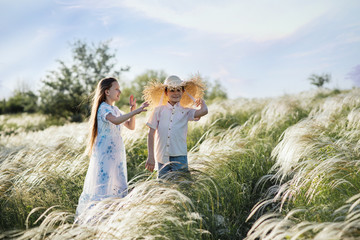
{"points": [[203, 109], [150, 164], [199, 102]]}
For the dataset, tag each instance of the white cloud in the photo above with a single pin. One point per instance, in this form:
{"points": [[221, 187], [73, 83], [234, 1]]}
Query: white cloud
{"points": [[21, 58], [255, 20], [18, 49], [120, 42], [351, 36], [105, 20], [260, 20], [311, 52], [221, 73], [180, 54]]}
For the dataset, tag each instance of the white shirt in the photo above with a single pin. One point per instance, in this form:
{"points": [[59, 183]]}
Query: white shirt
{"points": [[171, 124]]}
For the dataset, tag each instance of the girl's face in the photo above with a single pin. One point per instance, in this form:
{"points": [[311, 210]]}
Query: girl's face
{"points": [[174, 95], [113, 93]]}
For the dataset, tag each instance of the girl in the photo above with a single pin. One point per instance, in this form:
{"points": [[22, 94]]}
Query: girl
{"points": [[107, 173]]}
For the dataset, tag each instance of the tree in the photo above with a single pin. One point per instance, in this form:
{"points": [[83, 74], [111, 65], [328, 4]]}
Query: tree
{"points": [[215, 91], [2, 106], [138, 84], [22, 102], [319, 80], [67, 89]]}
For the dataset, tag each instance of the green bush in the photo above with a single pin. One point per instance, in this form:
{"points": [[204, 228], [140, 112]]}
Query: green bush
{"points": [[21, 102]]}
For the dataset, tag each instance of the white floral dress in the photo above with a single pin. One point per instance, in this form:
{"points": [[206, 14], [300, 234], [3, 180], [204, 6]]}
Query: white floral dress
{"points": [[107, 172]]}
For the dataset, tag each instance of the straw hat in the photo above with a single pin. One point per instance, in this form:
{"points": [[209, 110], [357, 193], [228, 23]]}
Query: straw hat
{"points": [[154, 92]]}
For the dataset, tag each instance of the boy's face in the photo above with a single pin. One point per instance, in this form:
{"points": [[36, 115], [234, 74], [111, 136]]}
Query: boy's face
{"points": [[174, 94]]}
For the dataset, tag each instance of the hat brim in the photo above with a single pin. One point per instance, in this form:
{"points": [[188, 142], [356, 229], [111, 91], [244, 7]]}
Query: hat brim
{"points": [[154, 92]]}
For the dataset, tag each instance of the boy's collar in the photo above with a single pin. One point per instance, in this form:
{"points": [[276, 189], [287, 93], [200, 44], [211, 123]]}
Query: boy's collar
{"points": [[171, 106]]}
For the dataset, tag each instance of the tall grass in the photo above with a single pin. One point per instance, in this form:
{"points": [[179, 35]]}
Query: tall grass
{"points": [[317, 176], [276, 156], [40, 169], [12, 124]]}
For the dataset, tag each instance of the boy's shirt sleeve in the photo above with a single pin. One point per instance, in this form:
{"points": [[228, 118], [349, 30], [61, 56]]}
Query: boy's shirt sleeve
{"points": [[191, 114], [153, 121]]}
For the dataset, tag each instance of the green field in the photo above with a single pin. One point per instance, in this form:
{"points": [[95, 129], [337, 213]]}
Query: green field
{"points": [[276, 168]]}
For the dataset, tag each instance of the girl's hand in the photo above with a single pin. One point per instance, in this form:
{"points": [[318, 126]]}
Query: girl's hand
{"points": [[132, 103], [143, 106]]}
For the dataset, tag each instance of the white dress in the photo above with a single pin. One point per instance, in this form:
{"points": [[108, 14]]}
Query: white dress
{"points": [[107, 172]]}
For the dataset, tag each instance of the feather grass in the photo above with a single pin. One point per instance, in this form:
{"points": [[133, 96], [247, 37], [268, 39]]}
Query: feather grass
{"points": [[276, 156]]}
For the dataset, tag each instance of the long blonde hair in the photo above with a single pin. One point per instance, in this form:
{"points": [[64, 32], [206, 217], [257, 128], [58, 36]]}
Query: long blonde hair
{"points": [[98, 97]]}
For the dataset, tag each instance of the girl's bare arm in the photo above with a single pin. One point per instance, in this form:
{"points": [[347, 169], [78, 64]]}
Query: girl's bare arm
{"points": [[120, 119]]}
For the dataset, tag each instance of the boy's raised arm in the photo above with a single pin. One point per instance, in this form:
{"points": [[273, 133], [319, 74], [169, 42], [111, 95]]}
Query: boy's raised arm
{"points": [[203, 108]]}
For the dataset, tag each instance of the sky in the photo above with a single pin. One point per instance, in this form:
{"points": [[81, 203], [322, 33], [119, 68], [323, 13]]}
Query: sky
{"points": [[256, 49]]}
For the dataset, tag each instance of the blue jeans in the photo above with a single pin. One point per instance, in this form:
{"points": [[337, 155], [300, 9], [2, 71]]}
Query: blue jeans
{"points": [[176, 164]]}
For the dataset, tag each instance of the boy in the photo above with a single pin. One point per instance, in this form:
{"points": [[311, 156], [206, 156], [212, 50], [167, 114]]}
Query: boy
{"points": [[169, 123]]}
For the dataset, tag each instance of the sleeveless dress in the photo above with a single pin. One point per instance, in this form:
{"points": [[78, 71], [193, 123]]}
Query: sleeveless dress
{"points": [[107, 172]]}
